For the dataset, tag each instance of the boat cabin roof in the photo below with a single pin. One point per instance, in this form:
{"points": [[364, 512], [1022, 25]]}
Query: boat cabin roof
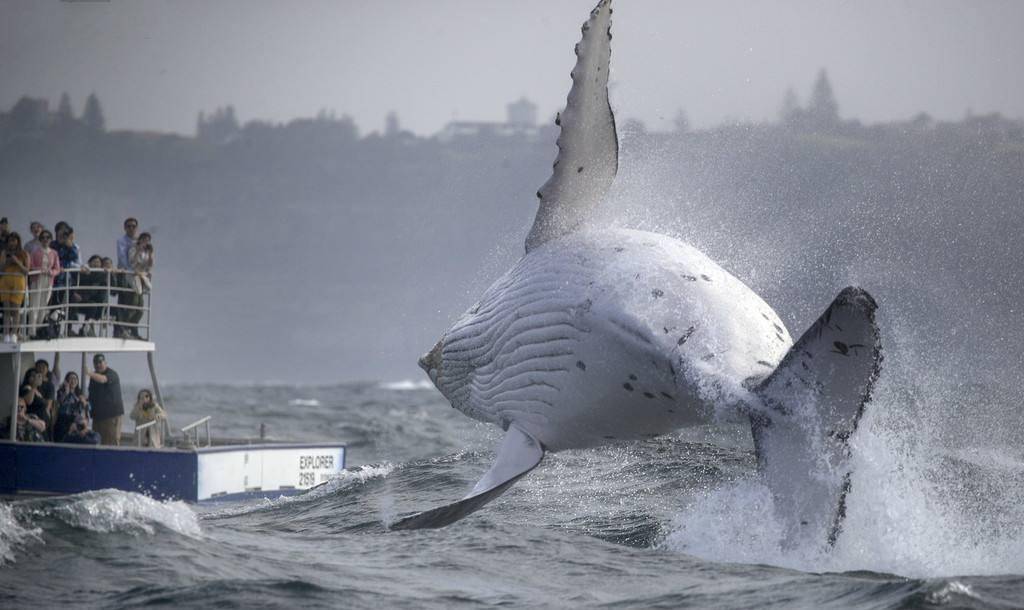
{"points": [[79, 344]]}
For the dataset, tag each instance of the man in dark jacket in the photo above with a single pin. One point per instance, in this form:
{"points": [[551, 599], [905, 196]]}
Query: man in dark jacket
{"points": [[107, 404]]}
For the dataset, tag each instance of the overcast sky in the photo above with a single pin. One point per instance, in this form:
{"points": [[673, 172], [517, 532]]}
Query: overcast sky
{"points": [[156, 64]]}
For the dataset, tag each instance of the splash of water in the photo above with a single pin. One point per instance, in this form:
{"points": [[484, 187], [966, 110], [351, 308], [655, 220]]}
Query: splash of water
{"points": [[111, 510], [12, 534], [921, 504], [103, 511]]}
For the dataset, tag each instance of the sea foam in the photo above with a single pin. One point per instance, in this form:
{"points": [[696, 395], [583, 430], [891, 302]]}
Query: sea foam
{"points": [[111, 510], [918, 507], [407, 384], [12, 534]]}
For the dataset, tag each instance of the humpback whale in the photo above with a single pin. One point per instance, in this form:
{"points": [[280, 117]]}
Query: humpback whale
{"points": [[601, 334]]}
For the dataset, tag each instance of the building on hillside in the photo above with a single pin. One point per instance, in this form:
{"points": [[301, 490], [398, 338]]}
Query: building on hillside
{"points": [[520, 121], [522, 112]]}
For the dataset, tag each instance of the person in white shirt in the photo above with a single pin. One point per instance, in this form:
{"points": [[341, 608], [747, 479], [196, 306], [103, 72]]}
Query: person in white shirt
{"points": [[125, 243], [125, 288]]}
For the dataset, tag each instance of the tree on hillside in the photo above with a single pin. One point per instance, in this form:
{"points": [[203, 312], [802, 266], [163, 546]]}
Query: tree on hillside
{"points": [[28, 114], [391, 125], [65, 115], [92, 115], [220, 127], [681, 123], [823, 110], [790, 111]]}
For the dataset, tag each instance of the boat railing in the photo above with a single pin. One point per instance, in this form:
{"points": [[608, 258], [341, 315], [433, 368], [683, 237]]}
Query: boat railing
{"points": [[141, 428], [191, 432], [100, 302]]}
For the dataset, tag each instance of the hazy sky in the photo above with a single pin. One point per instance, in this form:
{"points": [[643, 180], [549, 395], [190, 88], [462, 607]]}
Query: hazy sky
{"points": [[156, 64]]}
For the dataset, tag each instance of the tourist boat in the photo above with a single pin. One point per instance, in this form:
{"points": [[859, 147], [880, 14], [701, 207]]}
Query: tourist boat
{"points": [[191, 465]]}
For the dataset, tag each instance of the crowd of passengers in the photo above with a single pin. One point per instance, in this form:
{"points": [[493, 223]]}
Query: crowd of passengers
{"points": [[51, 273], [51, 410]]}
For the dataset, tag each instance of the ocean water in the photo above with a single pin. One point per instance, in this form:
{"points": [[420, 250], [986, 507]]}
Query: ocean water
{"points": [[935, 518]]}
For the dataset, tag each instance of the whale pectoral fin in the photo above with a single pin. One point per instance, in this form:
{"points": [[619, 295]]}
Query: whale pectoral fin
{"points": [[588, 147], [812, 404], [518, 454]]}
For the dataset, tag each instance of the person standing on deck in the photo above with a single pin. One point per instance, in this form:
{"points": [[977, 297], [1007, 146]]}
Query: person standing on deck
{"points": [[13, 281], [124, 263], [34, 228], [141, 257], [125, 243], [107, 404], [70, 258], [45, 263]]}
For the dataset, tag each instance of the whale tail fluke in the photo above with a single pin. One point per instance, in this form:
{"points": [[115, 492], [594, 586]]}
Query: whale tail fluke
{"points": [[518, 454], [812, 403]]}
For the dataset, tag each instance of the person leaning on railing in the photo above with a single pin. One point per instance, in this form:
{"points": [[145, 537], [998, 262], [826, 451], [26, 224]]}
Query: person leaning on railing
{"points": [[70, 259], [14, 266], [146, 410], [92, 295]]}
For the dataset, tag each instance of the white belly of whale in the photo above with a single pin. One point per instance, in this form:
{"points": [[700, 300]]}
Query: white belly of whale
{"points": [[607, 335]]}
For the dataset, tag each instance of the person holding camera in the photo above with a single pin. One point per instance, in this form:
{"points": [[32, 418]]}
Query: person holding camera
{"points": [[145, 411], [44, 266], [14, 265], [81, 433], [140, 260], [71, 404], [30, 428]]}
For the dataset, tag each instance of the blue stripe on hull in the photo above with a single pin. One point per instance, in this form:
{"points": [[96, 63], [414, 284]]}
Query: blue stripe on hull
{"points": [[65, 469]]}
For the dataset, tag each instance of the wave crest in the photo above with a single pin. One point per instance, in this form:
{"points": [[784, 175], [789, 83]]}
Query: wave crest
{"points": [[111, 510]]}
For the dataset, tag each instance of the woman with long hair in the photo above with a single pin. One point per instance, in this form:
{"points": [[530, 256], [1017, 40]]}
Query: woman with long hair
{"points": [[140, 260], [72, 404], [44, 265], [13, 281], [145, 411]]}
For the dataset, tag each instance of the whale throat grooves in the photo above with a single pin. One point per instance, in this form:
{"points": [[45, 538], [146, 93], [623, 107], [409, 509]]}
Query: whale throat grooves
{"points": [[509, 360]]}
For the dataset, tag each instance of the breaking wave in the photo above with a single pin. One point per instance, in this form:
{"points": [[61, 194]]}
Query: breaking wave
{"points": [[12, 534], [922, 504], [105, 511]]}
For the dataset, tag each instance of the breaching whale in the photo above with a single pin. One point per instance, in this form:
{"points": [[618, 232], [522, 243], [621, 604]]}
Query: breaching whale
{"points": [[600, 334]]}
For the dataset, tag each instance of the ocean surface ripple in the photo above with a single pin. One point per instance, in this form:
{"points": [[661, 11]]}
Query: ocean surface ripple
{"points": [[677, 521]]}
